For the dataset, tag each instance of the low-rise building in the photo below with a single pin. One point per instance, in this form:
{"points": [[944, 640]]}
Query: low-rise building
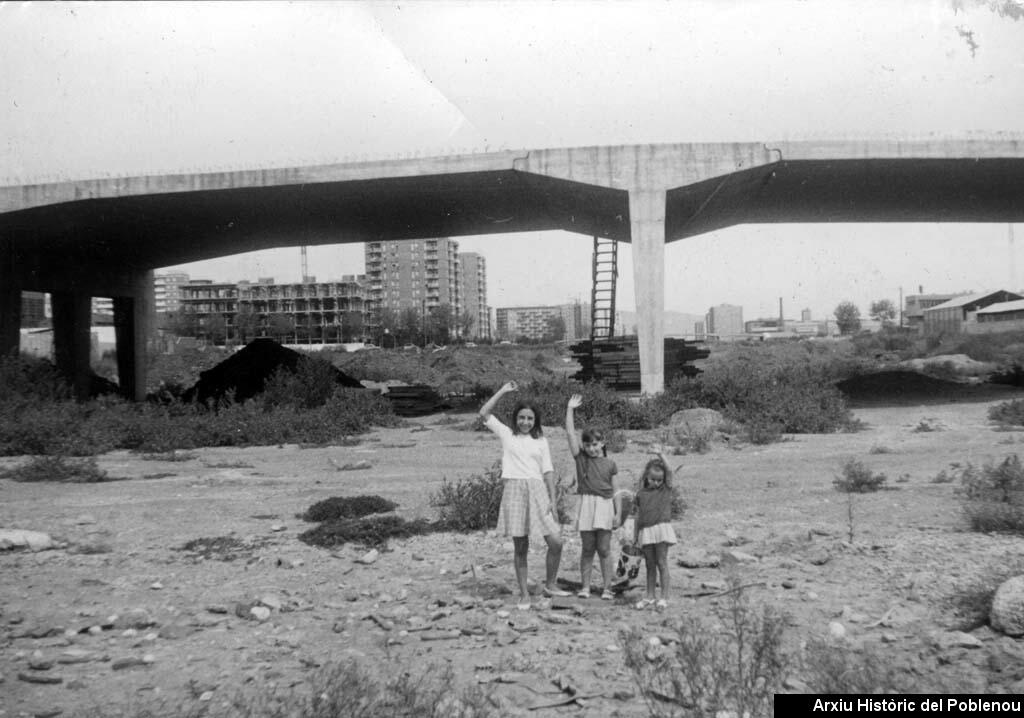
{"points": [[954, 315]]}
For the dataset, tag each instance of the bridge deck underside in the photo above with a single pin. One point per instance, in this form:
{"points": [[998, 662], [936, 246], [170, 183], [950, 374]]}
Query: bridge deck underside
{"points": [[156, 230], [932, 190]]}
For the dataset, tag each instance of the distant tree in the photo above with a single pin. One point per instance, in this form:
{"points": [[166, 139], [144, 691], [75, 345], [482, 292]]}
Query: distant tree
{"points": [[439, 324], [216, 328], [847, 318], [883, 311], [280, 327], [247, 325], [353, 327], [466, 323], [181, 323], [410, 326], [555, 330]]}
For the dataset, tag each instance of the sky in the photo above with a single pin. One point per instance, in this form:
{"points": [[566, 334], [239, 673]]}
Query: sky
{"points": [[113, 89]]}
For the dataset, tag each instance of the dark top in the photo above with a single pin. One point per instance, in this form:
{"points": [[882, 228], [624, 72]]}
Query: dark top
{"points": [[594, 475], [653, 507]]}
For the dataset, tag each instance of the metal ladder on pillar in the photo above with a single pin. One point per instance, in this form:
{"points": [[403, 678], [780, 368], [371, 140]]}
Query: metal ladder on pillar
{"points": [[602, 294]]}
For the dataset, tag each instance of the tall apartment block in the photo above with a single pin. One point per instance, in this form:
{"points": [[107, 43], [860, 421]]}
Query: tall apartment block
{"points": [[725, 321], [417, 274], [167, 288], [308, 312], [474, 294]]}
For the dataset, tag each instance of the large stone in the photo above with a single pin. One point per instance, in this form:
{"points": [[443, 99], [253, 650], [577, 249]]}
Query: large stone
{"points": [[696, 421], [1007, 612], [20, 538]]}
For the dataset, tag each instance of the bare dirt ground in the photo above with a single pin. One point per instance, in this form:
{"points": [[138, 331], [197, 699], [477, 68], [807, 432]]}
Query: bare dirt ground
{"points": [[125, 619]]}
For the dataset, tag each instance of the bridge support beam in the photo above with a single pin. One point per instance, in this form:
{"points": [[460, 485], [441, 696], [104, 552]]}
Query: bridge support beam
{"points": [[72, 345], [134, 320], [10, 303], [647, 233]]}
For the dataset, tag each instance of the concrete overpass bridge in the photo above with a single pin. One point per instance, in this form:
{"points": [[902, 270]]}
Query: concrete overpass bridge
{"points": [[103, 237]]}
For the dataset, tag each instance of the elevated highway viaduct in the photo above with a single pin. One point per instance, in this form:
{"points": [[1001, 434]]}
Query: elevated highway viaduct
{"points": [[104, 237]]}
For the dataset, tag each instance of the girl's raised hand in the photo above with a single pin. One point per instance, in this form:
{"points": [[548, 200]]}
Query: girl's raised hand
{"points": [[575, 401], [509, 386]]}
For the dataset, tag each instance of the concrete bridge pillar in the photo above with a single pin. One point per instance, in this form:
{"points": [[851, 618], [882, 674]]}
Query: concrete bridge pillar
{"points": [[134, 321], [72, 315], [10, 303], [647, 232]]}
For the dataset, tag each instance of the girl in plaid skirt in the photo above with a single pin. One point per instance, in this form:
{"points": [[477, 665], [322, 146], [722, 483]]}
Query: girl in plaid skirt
{"points": [[528, 496]]}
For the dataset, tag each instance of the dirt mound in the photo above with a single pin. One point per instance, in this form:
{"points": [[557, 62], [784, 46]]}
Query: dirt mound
{"points": [[900, 385], [247, 370]]}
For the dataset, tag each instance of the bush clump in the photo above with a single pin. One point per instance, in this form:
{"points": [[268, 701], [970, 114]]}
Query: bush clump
{"points": [[58, 468], [858, 479], [348, 507], [367, 531], [993, 497], [732, 663], [1008, 413], [470, 504]]}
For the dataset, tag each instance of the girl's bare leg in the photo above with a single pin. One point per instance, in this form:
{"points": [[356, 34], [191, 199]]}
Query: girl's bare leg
{"points": [[650, 563], [604, 555], [522, 550], [554, 558], [661, 552], [589, 547]]}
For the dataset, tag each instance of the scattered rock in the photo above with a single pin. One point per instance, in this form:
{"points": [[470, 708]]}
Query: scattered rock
{"points": [[43, 678], [369, 557], [122, 664], [695, 558], [21, 539], [356, 466], [260, 613], [836, 630], [735, 557], [1007, 612]]}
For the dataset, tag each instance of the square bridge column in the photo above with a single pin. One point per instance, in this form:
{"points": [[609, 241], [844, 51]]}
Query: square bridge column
{"points": [[134, 320], [10, 303], [72, 338], [647, 234]]}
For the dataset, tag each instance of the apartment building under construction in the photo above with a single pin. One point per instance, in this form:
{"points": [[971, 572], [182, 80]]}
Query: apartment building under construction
{"points": [[307, 312]]}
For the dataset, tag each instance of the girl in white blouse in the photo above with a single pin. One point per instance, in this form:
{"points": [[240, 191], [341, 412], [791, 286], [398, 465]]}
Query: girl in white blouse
{"points": [[528, 496]]}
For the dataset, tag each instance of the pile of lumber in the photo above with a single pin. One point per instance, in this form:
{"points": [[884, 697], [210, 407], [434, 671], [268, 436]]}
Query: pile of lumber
{"points": [[415, 400], [616, 361]]}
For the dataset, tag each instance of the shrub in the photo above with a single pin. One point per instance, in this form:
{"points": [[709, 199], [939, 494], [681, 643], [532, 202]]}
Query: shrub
{"points": [[835, 668], [858, 479], [348, 507], [368, 531], [57, 468], [470, 504], [767, 395], [971, 600], [1008, 413], [311, 385], [734, 663], [993, 498]]}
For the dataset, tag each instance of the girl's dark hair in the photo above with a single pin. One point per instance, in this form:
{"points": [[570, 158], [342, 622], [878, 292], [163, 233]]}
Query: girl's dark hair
{"points": [[664, 468], [536, 432], [591, 435]]}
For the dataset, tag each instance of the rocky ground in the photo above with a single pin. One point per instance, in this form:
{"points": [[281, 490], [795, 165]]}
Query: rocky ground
{"points": [[119, 618]]}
